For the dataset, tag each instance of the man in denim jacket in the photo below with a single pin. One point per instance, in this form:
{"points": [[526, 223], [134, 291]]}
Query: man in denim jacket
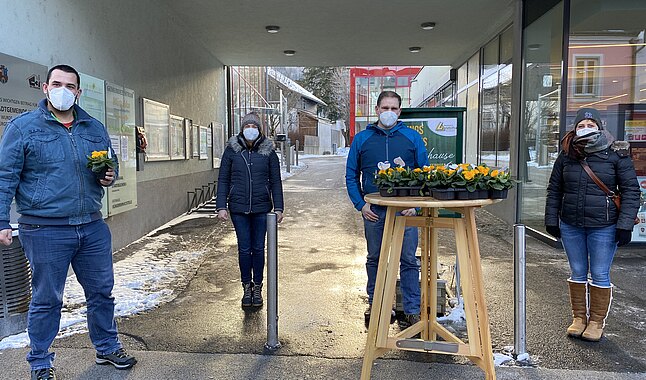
{"points": [[43, 157]]}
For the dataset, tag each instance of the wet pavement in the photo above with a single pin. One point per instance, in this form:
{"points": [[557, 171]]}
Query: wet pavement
{"points": [[322, 298]]}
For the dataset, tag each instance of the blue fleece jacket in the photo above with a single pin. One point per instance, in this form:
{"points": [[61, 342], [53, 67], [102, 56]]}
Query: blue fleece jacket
{"points": [[374, 145], [43, 164]]}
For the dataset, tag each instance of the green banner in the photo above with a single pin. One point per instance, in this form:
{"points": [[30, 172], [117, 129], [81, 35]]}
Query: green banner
{"points": [[440, 129]]}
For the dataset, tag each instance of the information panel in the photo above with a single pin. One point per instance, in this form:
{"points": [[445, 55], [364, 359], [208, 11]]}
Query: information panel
{"points": [[92, 100], [120, 121], [20, 91], [20, 87], [440, 129]]}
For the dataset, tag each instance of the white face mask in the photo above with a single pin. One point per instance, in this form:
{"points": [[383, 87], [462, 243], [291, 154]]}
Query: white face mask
{"points": [[251, 134], [585, 131], [388, 118], [61, 98]]}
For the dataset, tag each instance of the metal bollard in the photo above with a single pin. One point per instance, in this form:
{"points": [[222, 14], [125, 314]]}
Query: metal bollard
{"points": [[272, 282], [519, 290]]}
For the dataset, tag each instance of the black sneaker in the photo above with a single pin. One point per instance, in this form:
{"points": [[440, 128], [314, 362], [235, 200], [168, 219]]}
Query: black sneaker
{"points": [[409, 320], [43, 374], [257, 295], [247, 289], [366, 315], [120, 359]]}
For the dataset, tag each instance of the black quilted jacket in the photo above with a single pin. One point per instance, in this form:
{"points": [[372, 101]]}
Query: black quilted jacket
{"points": [[574, 198], [249, 179]]}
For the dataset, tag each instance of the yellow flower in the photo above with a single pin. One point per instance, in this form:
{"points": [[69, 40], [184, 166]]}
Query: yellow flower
{"points": [[417, 170], [400, 169], [99, 153], [382, 172], [495, 173], [483, 169], [450, 172], [390, 171], [469, 175], [426, 169]]}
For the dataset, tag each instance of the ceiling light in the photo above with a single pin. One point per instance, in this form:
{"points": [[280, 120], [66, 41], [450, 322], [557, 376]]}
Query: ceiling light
{"points": [[289, 53], [534, 46], [272, 28], [616, 30], [615, 81], [414, 49], [427, 25]]}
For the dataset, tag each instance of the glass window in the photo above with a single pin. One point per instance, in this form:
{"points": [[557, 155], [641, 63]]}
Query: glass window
{"points": [[504, 116], [489, 120], [402, 81], [540, 112], [490, 57], [474, 68], [507, 45]]}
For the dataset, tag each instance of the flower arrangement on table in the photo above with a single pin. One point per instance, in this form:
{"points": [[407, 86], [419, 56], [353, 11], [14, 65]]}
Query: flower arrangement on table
{"points": [[464, 181], [400, 180], [99, 161]]}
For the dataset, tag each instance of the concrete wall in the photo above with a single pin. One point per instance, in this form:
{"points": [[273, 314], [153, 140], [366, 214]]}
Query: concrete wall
{"points": [[142, 46]]}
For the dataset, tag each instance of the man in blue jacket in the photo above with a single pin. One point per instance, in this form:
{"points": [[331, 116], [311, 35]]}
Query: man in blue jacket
{"points": [[384, 141], [43, 158]]}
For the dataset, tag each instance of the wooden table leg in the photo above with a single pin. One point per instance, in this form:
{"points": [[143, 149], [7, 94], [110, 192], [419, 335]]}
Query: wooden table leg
{"points": [[371, 351], [478, 286]]}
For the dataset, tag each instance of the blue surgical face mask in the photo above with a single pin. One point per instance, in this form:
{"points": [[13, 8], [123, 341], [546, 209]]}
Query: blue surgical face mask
{"points": [[388, 118], [251, 134]]}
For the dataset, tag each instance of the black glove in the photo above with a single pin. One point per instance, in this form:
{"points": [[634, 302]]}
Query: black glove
{"points": [[554, 231], [623, 237]]}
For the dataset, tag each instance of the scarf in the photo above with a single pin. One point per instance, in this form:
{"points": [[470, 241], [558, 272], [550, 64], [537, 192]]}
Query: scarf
{"points": [[578, 147]]}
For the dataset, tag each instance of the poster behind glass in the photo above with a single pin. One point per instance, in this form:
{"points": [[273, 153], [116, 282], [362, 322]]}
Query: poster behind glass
{"points": [[120, 119], [92, 101], [177, 138], [218, 143], [635, 134]]}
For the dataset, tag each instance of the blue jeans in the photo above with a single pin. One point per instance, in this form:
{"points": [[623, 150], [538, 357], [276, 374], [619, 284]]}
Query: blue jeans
{"points": [[250, 231], [50, 251], [592, 248], [408, 266]]}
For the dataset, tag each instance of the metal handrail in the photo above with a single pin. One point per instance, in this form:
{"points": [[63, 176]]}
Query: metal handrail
{"points": [[201, 196]]}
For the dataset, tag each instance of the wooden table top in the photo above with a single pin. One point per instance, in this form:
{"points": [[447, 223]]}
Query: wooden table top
{"points": [[429, 202]]}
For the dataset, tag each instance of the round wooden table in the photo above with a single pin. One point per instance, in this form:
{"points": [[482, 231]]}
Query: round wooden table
{"points": [[478, 349]]}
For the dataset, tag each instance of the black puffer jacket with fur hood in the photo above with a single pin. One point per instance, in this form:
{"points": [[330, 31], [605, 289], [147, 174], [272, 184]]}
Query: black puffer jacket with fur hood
{"points": [[249, 179], [574, 198]]}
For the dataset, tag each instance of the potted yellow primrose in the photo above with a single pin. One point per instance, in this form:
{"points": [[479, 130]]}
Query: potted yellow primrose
{"points": [[99, 161]]}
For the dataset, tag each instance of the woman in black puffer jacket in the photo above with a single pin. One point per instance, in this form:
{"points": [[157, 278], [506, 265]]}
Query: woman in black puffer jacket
{"points": [[589, 224], [249, 186]]}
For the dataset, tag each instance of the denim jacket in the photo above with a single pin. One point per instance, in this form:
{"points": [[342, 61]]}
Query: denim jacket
{"points": [[43, 164]]}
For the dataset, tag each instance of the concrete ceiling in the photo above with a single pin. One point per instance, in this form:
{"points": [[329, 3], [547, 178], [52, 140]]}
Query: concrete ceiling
{"points": [[341, 32]]}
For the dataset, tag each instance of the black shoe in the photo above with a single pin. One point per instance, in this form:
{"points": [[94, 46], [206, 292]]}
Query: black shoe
{"points": [[120, 359], [43, 374], [409, 320], [366, 315], [247, 288], [257, 295]]}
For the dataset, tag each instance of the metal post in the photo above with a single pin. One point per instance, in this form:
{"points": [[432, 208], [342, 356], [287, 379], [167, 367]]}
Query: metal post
{"points": [[272, 282], [296, 151], [288, 155], [519, 290]]}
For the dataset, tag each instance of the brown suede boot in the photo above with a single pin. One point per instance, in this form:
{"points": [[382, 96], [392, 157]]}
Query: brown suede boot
{"points": [[579, 302], [600, 299]]}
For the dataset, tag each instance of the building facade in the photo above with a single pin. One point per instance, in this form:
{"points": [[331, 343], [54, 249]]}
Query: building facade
{"points": [[523, 88]]}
